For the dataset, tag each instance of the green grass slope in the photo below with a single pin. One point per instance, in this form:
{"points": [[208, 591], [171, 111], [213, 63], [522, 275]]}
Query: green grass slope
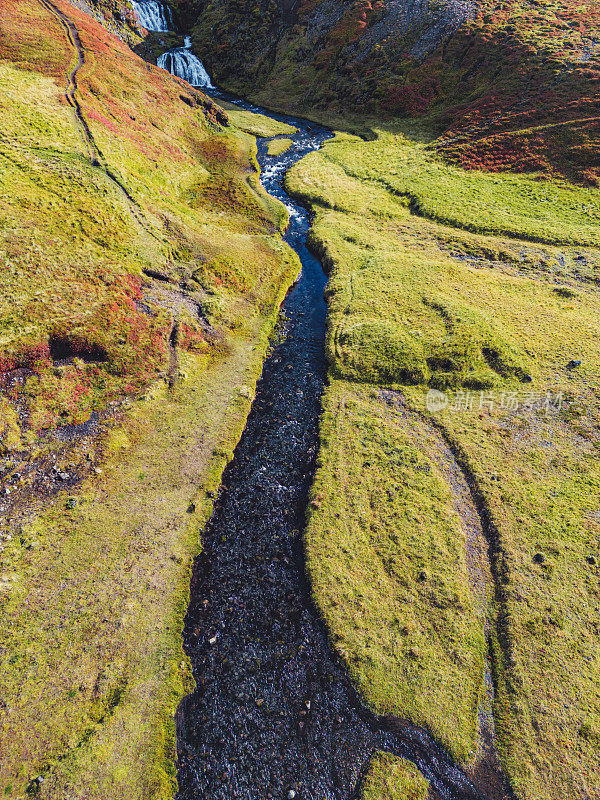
{"points": [[142, 267]]}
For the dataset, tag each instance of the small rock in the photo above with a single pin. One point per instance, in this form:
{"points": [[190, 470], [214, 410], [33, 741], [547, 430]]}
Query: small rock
{"points": [[591, 560], [539, 558], [574, 363], [64, 476], [212, 640], [291, 794], [414, 653]]}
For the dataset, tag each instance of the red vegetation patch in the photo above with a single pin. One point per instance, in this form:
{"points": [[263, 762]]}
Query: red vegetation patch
{"points": [[192, 339], [115, 351], [27, 355], [539, 110], [568, 148], [410, 101]]}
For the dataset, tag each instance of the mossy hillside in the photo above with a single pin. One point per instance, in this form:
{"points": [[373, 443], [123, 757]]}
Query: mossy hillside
{"points": [[75, 246], [70, 267], [404, 290], [391, 778], [505, 84], [543, 113]]}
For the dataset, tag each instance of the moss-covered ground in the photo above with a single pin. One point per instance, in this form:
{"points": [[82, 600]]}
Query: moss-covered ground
{"points": [[392, 778], [256, 124], [483, 287], [278, 146], [142, 267]]}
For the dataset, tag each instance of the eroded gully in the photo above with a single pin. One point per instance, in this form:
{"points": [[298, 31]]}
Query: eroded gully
{"points": [[273, 712]]}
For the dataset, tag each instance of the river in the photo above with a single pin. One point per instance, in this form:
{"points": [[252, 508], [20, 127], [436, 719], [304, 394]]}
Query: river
{"points": [[273, 714]]}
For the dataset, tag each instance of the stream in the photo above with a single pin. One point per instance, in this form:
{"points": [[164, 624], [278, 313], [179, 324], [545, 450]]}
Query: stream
{"points": [[273, 714]]}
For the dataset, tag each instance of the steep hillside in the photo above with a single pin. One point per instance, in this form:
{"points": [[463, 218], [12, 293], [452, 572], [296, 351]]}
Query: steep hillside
{"points": [[142, 267], [503, 84]]}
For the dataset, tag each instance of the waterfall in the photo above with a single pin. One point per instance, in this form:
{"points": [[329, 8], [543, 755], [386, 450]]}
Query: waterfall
{"points": [[152, 15], [183, 63]]}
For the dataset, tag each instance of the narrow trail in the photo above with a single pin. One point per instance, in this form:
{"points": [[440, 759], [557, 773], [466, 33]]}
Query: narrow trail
{"points": [[94, 153], [173, 369], [273, 711], [71, 89]]}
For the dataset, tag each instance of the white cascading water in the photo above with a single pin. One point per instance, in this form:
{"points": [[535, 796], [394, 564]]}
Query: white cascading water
{"points": [[152, 15], [183, 63]]}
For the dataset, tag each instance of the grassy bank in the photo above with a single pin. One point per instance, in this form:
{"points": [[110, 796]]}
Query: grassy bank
{"points": [[142, 269], [387, 564], [278, 146], [392, 778], [455, 281], [94, 664]]}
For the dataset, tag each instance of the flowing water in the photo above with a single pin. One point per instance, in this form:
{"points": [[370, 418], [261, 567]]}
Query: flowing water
{"points": [[153, 16], [273, 714], [182, 62]]}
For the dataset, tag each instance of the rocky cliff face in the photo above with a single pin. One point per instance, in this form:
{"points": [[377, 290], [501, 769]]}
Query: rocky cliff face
{"points": [[339, 45], [506, 84]]}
